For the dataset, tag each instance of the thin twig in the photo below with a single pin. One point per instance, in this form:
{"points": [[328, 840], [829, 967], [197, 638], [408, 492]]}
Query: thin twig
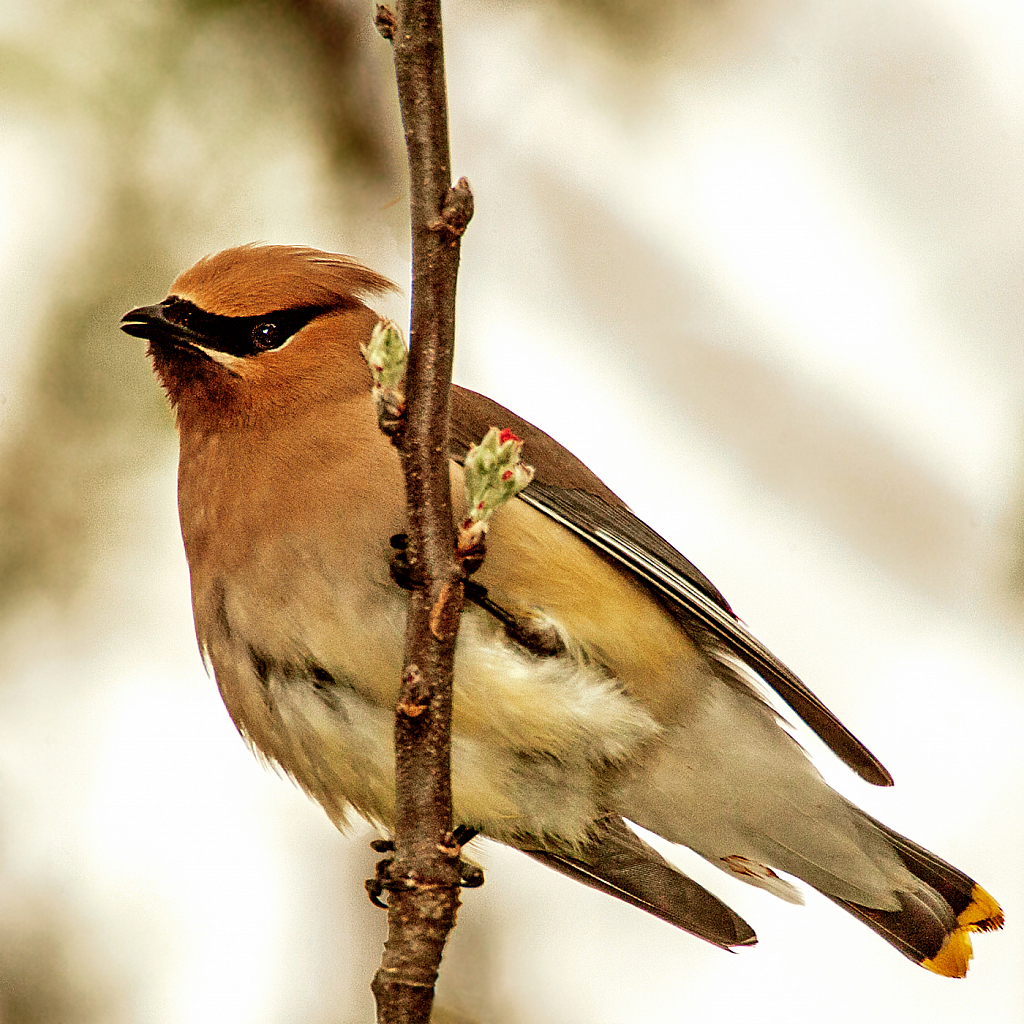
{"points": [[423, 881]]}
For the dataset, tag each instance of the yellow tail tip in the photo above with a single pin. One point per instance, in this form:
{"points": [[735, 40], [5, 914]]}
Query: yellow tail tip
{"points": [[982, 914], [951, 961]]}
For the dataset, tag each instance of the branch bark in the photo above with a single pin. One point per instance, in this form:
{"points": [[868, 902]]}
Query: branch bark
{"points": [[423, 881]]}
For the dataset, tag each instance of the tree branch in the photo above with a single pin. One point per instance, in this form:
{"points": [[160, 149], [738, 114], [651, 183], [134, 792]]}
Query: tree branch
{"points": [[423, 881]]}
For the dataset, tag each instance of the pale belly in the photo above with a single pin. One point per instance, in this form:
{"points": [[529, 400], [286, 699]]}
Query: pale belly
{"points": [[536, 740]]}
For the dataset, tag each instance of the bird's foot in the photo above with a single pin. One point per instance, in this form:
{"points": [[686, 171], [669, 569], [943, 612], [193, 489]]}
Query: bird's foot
{"points": [[470, 875], [529, 631], [382, 880], [403, 570], [536, 635]]}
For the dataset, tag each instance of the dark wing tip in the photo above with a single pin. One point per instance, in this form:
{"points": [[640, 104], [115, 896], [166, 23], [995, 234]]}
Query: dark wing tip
{"points": [[618, 862]]}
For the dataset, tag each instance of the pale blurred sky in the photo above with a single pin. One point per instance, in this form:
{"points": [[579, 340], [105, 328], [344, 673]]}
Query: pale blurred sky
{"points": [[763, 274]]}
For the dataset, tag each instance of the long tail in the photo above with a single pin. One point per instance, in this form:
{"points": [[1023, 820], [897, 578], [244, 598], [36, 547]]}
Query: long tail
{"points": [[934, 926]]}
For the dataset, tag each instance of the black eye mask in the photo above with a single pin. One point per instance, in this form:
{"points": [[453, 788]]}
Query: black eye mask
{"points": [[237, 335]]}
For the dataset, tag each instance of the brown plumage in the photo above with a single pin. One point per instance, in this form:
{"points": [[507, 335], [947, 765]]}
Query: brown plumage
{"points": [[289, 495]]}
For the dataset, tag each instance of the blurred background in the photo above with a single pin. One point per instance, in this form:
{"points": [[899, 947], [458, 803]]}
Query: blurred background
{"points": [[758, 263]]}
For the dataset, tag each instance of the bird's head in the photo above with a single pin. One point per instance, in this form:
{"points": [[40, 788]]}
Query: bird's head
{"points": [[256, 329]]}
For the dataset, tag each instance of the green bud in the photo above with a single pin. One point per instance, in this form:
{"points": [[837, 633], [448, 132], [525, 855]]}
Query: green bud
{"points": [[494, 473], [386, 355]]}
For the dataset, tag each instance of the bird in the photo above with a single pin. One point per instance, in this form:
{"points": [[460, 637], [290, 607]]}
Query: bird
{"points": [[644, 702]]}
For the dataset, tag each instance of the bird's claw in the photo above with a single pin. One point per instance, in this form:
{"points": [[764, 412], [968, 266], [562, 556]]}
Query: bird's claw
{"points": [[382, 880], [470, 875], [403, 570]]}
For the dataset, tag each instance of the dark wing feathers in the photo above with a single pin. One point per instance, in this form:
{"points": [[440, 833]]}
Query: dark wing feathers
{"points": [[621, 864], [568, 492]]}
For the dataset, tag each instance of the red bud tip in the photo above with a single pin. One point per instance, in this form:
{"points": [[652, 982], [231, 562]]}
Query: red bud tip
{"points": [[507, 475], [507, 435]]}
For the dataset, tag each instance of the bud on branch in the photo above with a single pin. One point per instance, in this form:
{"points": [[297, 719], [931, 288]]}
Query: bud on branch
{"points": [[494, 474], [387, 356]]}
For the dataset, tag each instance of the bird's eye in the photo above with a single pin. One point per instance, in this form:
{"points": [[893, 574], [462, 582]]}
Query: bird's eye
{"points": [[265, 335]]}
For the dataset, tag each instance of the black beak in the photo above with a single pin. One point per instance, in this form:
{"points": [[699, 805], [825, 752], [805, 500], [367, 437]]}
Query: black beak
{"points": [[150, 323]]}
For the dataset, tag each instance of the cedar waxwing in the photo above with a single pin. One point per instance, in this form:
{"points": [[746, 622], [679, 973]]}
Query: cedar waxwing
{"points": [[644, 708]]}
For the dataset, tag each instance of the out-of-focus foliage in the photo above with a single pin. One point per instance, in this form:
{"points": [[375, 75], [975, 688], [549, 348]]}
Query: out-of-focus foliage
{"points": [[46, 976], [648, 32], [168, 114]]}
